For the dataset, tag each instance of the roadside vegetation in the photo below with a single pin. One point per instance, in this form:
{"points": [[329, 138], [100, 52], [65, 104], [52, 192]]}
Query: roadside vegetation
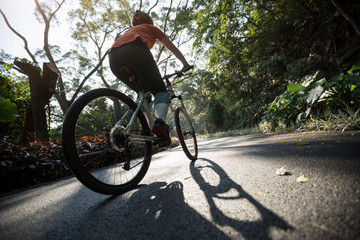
{"points": [[317, 104]]}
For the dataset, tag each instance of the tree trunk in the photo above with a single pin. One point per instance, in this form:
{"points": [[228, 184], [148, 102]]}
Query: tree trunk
{"points": [[27, 132], [50, 78], [38, 100]]}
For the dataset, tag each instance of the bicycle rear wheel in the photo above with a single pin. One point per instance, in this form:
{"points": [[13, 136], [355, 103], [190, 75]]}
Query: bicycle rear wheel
{"points": [[186, 133], [97, 151]]}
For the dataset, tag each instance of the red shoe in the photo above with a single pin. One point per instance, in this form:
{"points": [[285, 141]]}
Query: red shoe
{"points": [[161, 130]]}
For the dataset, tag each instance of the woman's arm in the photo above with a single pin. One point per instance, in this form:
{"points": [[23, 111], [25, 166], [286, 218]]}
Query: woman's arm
{"points": [[172, 48]]}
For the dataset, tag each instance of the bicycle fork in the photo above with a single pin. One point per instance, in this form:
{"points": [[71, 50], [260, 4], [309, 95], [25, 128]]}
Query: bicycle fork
{"points": [[180, 104]]}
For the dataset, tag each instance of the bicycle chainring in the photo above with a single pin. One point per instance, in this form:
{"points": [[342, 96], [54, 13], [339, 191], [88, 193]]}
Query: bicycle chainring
{"points": [[118, 139]]}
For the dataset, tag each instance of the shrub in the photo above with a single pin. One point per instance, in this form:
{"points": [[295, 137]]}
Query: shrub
{"points": [[312, 98], [24, 165]]}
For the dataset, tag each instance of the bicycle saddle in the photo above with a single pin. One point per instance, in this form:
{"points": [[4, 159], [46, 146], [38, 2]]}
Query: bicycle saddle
{"points": [[126, 70]]}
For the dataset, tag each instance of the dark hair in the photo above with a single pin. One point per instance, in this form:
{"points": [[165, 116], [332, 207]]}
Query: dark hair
{"points": [[141, 17]]}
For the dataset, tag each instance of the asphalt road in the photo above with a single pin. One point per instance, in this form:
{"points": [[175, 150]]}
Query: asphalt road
{"points": [[230, 192]]}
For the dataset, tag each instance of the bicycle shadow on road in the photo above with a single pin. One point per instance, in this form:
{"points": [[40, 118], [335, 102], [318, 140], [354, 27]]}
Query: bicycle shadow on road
{"points": [[224, 189], [161, 211], [154, 211]]}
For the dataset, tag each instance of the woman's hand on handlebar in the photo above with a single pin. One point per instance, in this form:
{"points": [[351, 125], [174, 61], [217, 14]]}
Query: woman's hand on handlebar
{"points": [[187, 68]]}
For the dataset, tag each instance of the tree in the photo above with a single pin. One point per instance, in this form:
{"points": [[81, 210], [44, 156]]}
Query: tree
{"points": [[99, 23], [41, 85], [255, 48], [15, 99]]}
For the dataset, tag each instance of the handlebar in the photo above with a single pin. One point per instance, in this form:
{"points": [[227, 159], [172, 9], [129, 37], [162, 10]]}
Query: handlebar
{"points": [[187, 68], [179, 73]]}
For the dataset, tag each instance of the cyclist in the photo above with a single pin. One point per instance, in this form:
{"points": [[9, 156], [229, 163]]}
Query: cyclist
{"points": [[131, 51]]}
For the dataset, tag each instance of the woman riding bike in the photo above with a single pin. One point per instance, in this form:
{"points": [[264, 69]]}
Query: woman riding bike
{"points": [[131, 52]]}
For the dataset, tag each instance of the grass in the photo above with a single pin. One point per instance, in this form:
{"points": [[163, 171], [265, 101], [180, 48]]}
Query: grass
{"points": [[245, 131], [342, 121]]}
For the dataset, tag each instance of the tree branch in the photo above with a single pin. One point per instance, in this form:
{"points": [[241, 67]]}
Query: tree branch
{"points": [[140, 5], [347, 16], [59, 6], [167, 15], [88, 76], [13, 67], [19, 35], [153, 6], [46, 33], [61, 97]]}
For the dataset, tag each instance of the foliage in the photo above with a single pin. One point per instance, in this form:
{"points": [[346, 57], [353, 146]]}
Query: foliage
{"points": [[312, 98], [14, 97], [254, 48], [345, 90], [341, 121], [8, 110], [23, 165]]}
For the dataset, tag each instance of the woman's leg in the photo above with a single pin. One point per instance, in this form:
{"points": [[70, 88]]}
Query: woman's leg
{"points": [[139, 58], [161, 103]]}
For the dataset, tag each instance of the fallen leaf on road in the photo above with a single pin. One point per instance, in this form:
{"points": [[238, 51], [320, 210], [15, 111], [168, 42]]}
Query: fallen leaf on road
{"points": [[257, 193], [322, 227], [281, 171], [302, 179], [303, 143]]}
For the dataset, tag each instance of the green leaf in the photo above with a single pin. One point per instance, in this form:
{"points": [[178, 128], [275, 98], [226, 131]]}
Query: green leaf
{"points": [[354, 69], [295, 88], [8, 110], [352, 87], [325, 95], [307, 80], [314, 95], [303, 143], [5, 88], [353, 80], [307, 112]]}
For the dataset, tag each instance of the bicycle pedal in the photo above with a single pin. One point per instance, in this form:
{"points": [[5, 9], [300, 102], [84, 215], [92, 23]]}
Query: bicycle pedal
{"points": [[126, 166]]}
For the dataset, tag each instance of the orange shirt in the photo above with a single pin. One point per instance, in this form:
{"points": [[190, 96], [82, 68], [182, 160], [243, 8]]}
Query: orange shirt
{"points": [[146, 32]]}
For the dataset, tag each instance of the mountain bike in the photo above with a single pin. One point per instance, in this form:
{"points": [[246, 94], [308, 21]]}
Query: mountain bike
{"points": [[107, 140]]}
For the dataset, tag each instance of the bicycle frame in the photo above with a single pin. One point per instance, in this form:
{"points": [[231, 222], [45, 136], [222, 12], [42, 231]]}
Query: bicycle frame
{"points": [[171, 92], [118, 152], [142, 103]]}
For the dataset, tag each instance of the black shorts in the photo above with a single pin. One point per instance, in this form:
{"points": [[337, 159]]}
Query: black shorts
{"points": [[138, 57]]}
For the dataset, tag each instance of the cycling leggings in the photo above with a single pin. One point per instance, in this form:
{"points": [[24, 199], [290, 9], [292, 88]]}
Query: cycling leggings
{"points": [[138, 57]]}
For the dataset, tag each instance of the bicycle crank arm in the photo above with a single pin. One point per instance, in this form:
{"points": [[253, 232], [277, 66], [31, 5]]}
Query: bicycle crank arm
{"points": [[140, 138]]}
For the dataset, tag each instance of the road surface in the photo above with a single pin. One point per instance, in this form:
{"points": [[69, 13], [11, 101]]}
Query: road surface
{"points": [[230, 192]]}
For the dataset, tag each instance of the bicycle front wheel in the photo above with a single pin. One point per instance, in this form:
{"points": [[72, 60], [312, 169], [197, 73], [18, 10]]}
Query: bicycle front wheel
{"points": [[101, 156], [186, 133]]}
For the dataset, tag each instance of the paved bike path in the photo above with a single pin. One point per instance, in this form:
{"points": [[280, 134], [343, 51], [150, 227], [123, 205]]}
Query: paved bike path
{"points": [[231, 192]]}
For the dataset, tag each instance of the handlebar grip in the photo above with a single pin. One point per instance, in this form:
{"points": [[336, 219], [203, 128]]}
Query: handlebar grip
{"points": [[187, 68]]}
